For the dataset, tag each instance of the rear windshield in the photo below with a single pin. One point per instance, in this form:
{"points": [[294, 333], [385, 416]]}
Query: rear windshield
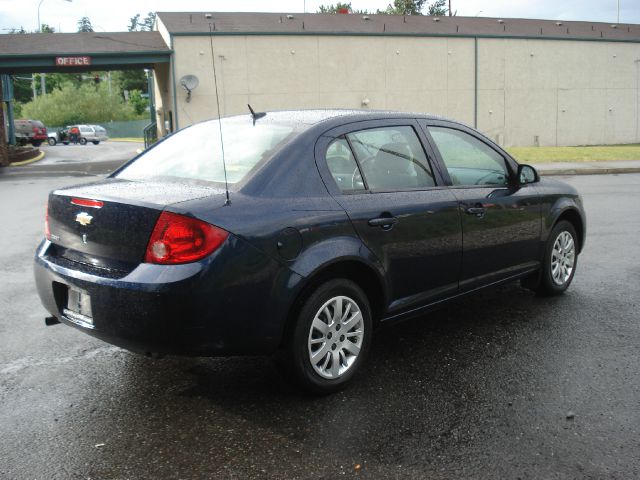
{"points": [[195, 153]]}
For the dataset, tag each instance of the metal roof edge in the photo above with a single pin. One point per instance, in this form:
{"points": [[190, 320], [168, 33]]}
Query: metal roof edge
{"points": [[398, 34], [85, 54]]}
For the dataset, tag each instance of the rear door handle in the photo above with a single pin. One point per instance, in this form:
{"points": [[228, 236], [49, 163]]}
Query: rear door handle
{"points": [[477, 211], [384, 222]]}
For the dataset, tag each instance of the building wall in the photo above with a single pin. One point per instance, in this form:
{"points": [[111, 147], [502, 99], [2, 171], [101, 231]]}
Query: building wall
{"points": [[558, 92], [530, 92]]}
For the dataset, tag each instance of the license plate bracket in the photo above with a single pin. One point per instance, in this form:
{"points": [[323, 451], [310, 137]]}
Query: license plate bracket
{"points": [[78, 307]]}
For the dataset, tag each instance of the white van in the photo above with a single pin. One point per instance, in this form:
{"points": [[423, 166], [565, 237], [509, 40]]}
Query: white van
{"points": [[92, 133]]}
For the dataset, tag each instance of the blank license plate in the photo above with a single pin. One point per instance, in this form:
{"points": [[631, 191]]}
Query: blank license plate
{"points": [[79, 306]]}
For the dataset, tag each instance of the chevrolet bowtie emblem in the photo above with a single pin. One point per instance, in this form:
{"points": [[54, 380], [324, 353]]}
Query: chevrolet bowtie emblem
{"points": [[83, 218]]}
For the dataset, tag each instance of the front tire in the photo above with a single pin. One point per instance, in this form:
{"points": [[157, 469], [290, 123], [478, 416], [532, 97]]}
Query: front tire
{"points": [[82, 141], [52, 141], [95, 142], [330, 339], [560, 260]]}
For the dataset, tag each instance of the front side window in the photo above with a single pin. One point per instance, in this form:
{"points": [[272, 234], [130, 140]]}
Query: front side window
{"points": [[468, 160], [391, 158]]}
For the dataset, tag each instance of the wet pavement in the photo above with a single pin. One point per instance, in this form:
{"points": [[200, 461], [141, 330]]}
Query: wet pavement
{"points": [[76, 160], [500, 385]]}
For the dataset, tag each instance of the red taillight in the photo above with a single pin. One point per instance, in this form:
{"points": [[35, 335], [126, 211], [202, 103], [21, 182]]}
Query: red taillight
{"points": [[85, 202], [179, 239], [47, 230]]}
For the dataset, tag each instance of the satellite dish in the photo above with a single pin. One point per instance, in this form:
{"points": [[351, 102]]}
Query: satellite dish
{"points": [[189, 83]]}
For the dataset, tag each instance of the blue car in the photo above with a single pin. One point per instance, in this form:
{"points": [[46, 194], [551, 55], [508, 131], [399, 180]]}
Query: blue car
{"points": [[298, 233]]}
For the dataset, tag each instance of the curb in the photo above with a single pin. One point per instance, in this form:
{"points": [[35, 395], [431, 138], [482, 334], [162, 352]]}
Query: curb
{"points": [[589, 171], [27, 162]]}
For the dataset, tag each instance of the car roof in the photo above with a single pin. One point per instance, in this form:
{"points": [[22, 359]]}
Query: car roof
{"points": [[314, 117]]}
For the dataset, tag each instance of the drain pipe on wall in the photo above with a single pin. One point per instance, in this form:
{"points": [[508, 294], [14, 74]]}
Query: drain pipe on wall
{"points": [[475, 83]]}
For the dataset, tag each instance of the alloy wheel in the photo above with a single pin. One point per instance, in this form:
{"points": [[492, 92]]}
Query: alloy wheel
{"points": [[335, 337], [563, 258]]}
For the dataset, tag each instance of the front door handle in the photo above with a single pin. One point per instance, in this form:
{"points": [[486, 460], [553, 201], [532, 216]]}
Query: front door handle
{"points": [[477, 211], [384, 222]]}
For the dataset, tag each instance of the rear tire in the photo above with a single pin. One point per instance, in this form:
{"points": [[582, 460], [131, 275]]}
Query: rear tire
{"points": [[330, 339], [82, 141], [52, 141], [36, 144], [560, 260]]}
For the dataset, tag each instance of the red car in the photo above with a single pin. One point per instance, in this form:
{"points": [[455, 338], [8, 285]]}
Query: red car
{"points": [[30, 131]]}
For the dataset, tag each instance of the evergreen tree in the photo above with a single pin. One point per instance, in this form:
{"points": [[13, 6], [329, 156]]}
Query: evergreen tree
{"points": [[84, 25]]}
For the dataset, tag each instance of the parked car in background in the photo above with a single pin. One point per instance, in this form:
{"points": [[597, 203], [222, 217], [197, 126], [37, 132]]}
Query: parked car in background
{"points": [[30, 131], [322, 226], [92, 133], [59, 136], [87, 133]]}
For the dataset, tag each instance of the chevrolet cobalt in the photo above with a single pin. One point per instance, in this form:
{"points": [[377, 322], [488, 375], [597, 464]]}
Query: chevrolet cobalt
{"points": [[298, 233]]}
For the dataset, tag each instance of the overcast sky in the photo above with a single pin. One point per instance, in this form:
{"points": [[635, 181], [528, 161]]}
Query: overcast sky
{"points": [[114, 15]]}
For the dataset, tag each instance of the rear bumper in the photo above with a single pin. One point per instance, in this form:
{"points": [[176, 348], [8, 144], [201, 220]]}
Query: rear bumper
{"points": [[196, 309]]}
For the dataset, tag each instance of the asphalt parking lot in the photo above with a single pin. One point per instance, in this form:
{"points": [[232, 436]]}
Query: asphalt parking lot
{"points": [[501, 385], [110, 150]]}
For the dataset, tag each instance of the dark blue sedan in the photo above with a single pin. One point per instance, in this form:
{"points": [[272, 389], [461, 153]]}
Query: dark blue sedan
{"points": [[311, 229]]}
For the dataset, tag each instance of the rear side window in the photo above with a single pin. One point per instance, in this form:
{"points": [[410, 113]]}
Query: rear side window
{"points": [[195, 153], [343, 166], [392, 158], [468, 160]]}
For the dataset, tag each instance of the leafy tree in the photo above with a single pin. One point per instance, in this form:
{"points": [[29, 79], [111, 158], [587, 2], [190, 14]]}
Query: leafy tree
{"points": [[89, 103], [415, 7], [144, 25], [45, 28], [138, 102], [131, 80], [338, 7], [84, 25], [133, 23], [22, 91], [18, 30], [438, 8]]}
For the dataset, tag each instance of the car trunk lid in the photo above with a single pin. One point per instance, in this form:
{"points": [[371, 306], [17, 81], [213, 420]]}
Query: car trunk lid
{"points": [[108, 224]]}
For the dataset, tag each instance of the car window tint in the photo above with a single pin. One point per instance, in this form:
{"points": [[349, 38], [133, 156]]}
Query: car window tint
{"points": [[392, 158], [343, 166], [468, 160]]}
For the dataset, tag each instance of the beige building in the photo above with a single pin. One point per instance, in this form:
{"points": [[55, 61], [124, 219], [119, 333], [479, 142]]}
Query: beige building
{"points": [[521, 82]]}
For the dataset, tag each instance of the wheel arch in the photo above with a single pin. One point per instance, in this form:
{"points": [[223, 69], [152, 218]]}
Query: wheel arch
{"points": [[572, 216], [362, 274]]}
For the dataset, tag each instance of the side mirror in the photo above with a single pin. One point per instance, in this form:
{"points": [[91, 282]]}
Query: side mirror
{"points": [[527, 174]]}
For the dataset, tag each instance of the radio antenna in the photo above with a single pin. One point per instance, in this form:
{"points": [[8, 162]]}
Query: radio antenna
{"points": [[215, 81]]}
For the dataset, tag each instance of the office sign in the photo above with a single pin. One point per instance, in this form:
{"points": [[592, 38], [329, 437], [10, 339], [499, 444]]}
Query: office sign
{"points": [[73, 61]]}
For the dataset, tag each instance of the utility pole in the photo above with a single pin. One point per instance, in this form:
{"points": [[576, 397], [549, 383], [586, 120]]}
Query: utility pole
{"points": [[43, 87], [450, 7], [618, 10]]}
